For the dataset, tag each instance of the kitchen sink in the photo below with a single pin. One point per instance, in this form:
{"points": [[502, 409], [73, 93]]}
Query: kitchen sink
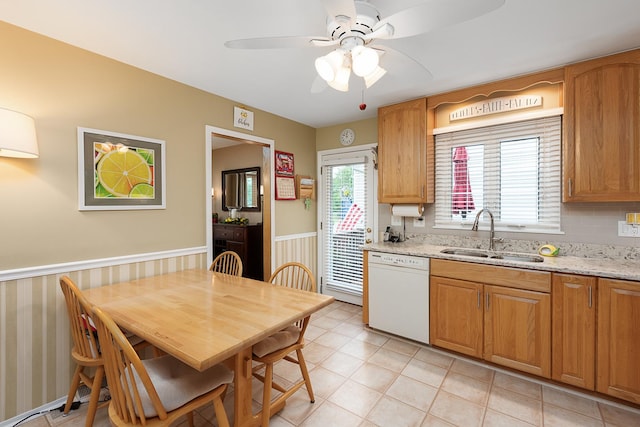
{"points": [[507, 256], [465, 252], [518, 257]]}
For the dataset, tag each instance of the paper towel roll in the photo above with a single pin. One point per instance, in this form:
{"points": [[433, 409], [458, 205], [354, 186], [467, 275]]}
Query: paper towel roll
{"points": [[407, 210]]}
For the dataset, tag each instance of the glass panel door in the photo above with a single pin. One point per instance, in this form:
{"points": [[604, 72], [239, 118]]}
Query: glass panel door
{"points": [[346, 224]]}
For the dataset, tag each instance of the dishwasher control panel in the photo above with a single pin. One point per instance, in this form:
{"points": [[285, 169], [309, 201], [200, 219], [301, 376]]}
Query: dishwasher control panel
{"points": [[399, 260]]}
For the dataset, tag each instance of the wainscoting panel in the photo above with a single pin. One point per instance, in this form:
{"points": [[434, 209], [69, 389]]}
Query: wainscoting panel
{"points": [[35, 343], [302, 248]]}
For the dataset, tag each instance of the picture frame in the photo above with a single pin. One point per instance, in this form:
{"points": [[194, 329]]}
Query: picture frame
{"points": [[117, 171], [284, 164], [285, 188]]}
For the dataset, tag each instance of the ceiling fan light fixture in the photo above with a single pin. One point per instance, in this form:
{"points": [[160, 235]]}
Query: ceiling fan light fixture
{"points": [[327, 66], [364, 60], [371, 78], [341, 82], [324, 69]]}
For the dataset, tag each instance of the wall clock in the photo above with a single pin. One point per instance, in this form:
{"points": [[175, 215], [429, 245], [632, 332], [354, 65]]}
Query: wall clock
{"points": [[347, 136]]}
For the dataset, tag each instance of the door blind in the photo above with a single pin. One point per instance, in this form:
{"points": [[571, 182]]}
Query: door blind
{"points": [[343, 224]]}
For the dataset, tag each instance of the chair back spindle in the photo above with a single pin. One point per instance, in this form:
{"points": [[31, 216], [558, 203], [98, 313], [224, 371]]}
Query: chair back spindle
{"points": [[227, 262]]}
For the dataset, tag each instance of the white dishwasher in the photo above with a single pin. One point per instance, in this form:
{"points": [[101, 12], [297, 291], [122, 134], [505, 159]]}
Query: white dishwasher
{"points": [[399, 295]]}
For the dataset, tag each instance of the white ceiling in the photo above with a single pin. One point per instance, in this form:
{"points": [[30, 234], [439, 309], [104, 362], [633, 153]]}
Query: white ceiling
{"points": [[184, 41]]}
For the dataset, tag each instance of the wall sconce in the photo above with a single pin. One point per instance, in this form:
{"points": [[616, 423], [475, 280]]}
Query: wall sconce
{"points": [[262, 190], [213, 193], [17, 135]]}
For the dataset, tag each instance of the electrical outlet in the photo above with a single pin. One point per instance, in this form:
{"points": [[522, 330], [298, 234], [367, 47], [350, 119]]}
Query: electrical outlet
{"points": [[418, 222], [628, 230]]}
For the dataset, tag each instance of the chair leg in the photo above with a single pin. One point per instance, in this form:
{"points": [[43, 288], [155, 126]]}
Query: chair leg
{"points": [[73, 388], [266, 395], [305, 375], [190, 418], [221, 414], [95, 396]]}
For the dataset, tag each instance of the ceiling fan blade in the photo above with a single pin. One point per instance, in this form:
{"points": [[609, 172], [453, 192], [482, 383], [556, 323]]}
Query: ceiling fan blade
{"points": [[386, 49], [279, 42], [435, 14], [340, 8]]}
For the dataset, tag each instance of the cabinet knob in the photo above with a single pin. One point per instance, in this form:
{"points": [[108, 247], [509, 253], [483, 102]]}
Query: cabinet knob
{"points": [[368, 241]]}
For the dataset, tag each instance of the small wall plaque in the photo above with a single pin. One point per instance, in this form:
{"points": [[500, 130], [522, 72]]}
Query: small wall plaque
{"points": [[242, 118]]}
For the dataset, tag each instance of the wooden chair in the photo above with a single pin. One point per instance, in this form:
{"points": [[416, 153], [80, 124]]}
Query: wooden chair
{"points": [[86, 347], [85, 352], [227, 262], [278, 346], [158, 391]]}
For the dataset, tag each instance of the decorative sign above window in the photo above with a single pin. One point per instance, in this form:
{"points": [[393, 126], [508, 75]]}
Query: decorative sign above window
{"points": [[496, 105], [242, 118]]}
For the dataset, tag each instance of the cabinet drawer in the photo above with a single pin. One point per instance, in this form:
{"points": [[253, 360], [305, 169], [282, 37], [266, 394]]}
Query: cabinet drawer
{"points": [[224, 232], [493, 275]]}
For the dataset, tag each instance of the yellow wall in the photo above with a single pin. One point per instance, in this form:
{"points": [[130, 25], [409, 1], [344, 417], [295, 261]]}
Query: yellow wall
{"points": [[44, 235], [62, 88], [366, 131]]}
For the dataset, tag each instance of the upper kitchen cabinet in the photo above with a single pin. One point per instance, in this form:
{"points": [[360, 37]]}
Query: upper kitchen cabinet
{"points": [[405, 160], [601, 150]]}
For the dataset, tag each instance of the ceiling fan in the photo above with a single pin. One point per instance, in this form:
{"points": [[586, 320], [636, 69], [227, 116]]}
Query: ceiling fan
{"points": [[355, 27]]}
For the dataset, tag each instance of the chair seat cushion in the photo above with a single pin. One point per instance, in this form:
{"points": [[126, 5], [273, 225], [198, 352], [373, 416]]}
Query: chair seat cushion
{"points": [[177, 383], [277, 341]]}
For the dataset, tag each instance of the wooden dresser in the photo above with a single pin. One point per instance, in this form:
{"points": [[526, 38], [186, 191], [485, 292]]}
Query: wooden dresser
{"points": [[246, 241]]}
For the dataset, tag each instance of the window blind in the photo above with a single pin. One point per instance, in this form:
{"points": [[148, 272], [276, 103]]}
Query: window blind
{"points": [[343, 224], [512, 169]]}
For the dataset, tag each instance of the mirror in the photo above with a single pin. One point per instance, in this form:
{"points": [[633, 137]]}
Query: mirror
{"points": [[241, 189]]}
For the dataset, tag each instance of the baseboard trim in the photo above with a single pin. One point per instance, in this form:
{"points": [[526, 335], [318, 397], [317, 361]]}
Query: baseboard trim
{"points": [[44, 409]]}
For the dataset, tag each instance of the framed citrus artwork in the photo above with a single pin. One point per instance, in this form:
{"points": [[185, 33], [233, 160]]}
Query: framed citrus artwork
{"points": [[119, 172]]}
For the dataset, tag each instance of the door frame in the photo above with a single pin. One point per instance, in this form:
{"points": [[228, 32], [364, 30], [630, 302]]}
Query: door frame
{"points": [[209, 132], [346, 151]]}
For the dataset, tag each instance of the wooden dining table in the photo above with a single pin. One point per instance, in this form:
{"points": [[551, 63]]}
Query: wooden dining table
{"points": [[204, 318]]}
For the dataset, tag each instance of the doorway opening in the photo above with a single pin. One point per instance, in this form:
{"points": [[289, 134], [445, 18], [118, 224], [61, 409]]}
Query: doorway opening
{"points": [[219, 137]]}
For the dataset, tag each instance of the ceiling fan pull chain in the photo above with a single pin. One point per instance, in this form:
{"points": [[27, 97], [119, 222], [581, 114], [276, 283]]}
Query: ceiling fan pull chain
{"points": [[363, 106]]}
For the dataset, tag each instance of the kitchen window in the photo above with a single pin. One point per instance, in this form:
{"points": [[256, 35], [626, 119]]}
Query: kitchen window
{"points": [[511, 169]]}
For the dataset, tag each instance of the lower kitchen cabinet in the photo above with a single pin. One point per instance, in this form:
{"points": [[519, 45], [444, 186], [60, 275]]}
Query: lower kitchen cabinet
{"points": [[501, 324], [456, 315], [580, 330], [517, 329], [618, 373], [573, 334]]}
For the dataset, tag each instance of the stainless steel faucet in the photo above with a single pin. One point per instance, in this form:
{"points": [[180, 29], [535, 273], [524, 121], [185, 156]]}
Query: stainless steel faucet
{"points": [[474, 227]]}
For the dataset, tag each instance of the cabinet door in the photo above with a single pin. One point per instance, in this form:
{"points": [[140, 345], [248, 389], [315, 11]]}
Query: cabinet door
{"points": [[517, 329], [573, 333], [456, 315], [402, 153], [601, 148], [619, 339]]}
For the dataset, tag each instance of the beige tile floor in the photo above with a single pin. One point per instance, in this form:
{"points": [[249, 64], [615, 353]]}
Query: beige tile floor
{"points": [[363, 378]]}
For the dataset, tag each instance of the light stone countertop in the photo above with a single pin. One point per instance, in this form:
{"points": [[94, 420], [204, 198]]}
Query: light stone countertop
{"points": [[626, 269]]}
